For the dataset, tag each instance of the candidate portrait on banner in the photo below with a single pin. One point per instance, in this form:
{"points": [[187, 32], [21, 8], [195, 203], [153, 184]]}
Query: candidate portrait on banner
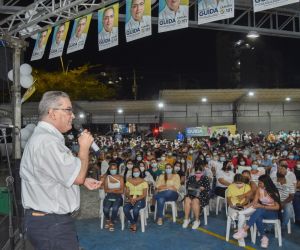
{"points": [[138, 19], [214, 10], [40, 45], [269, 4], [173, 14], [58, 40], [108, 27], [79, 33]]}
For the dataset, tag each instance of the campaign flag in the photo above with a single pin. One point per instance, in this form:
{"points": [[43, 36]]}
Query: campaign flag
{"points": [[79, 33], [214, 10], [40, 44], [173, 15], [259, 5], [108, 27], [58, 39], [138, 19]]}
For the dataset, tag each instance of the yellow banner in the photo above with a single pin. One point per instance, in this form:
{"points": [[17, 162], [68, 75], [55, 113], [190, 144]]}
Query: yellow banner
{"points": [[28, 93], [221, 129]]}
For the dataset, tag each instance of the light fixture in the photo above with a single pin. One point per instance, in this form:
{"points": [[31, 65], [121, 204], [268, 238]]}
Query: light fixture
{"points": [[81, 115], [252, 34], [160, 105], [203, 99], [120, 111], [250, 93], [288, 99]]}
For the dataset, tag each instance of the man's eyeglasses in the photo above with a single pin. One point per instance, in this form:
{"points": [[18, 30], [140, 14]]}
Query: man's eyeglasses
{"points": [[68, 110]]}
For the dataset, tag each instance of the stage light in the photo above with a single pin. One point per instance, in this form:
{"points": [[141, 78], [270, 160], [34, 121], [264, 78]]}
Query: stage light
{"points": [[204, 99], [250, 93], [120, 111], [252, 34], [160, 105], [288, 99]]}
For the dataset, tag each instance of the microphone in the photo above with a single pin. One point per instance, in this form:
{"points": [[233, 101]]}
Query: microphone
{"points": [[6, 126], [94, 146]]}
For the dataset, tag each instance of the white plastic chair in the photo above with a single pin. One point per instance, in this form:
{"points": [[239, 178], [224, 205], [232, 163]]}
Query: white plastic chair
{"points": [[173, 206], [219, 203], [277, 229], [121, 215], [205, 213]]}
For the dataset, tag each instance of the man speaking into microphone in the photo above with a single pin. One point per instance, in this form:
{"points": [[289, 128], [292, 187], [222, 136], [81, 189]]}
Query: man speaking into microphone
{"points": [[51, 176]]}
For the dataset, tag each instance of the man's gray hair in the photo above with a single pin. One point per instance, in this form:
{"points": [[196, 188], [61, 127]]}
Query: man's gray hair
{"points": [[50, 100]]}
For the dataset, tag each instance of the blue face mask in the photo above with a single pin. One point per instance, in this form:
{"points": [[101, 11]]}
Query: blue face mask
{"points": [[168, 170], [136, 174], [207, 159], [113, 171], [254, 167], [222, 158]]}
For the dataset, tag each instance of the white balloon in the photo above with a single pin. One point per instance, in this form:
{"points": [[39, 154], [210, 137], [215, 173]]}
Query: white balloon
{"points": [[26, 81], [25, 69], [10, 75]]}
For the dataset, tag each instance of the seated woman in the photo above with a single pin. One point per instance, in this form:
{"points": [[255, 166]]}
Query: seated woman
{"points": [[267, 205], [136, 193], [224, 179], [167, 187], [114, 188], [256, 171], [197, 196], [248, 180]]}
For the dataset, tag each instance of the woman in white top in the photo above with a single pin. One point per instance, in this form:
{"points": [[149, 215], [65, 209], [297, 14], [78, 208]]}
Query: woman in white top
{"points": [[114, 188], [224, 178]]}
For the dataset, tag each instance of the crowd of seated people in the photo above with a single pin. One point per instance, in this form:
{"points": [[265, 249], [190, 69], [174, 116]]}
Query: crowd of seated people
{"points": [[258, 174]]}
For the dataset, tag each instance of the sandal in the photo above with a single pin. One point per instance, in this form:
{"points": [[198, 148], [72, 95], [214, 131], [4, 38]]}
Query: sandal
{"points": [[159, 221], [107, 222], [111, 227], [133, 228]]}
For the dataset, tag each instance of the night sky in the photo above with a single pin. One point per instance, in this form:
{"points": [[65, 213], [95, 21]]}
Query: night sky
{"points": [[188, 58]]}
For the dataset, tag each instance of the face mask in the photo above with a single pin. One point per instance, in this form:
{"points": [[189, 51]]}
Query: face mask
{"points": [[259, 161], [163, 158], [115, 156], [216, 158], [154, 165], [136, 174], [154, 169], [254, 167], [169, 154], [240, 185], [139, 158], [198, 175], [129, 166], [207, 159], [177, 169], [182, 161], [242, 163], [168, 170], [191, 152], [113, 171], [284, 153], [142, 169], [222, 158], [291, 157], [298, 166], [148, 153]]}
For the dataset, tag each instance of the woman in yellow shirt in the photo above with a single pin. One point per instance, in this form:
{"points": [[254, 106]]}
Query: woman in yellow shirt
{"points": [[136, 193], [167, 187]]}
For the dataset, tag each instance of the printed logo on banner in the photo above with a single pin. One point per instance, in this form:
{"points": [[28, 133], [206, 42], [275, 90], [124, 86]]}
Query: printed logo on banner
{"points": [[108, 27], [173, 15], [138, 19], [40, 45], [58, 40], [260, 5], [214, 10], [79, 33]]}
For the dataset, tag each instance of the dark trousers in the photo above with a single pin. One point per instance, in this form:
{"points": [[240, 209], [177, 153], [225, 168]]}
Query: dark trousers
{"points": [[135, 210], [113, 203], [51, 232], [220, 191]]}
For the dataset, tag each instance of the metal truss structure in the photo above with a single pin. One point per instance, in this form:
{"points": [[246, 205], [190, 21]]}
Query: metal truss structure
{"points": [[25, 21]]}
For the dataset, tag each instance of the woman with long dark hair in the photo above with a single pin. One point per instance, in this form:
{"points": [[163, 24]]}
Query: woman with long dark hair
{"points": [[267, 205]]}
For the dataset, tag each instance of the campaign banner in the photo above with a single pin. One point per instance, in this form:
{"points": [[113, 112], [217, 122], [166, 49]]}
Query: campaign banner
{"points": [[214, 10], [215, 130], [79, 33], [260, 5], [173, 15], [108, 27], [138, 19], [196, 132], [58, 40], [40, 45]]}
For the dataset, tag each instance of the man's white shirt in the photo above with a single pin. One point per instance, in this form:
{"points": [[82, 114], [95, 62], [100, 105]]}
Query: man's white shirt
{"points": [[108, 39]]}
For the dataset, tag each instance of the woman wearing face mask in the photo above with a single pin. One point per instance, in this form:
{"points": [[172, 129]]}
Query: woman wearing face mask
{"points": [[146, 175], [167, 187], [256, 171], [153, 170], [114, 188], [224, 179], [197, 196], [267, 205], [178, 169], [135, 193], [128, 170]]}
